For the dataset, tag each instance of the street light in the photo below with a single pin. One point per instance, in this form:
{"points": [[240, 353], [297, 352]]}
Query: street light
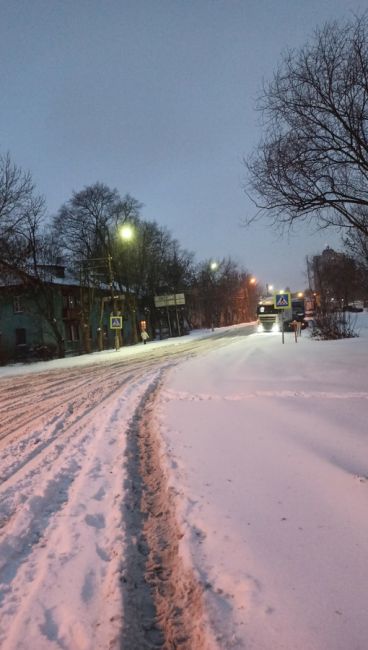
{"points": [[126, 232], [250, 296], [213, 267]]}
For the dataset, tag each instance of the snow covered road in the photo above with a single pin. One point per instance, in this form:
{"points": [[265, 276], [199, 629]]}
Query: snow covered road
{"points": [[62, 488], [79, 554], [199, 494]]}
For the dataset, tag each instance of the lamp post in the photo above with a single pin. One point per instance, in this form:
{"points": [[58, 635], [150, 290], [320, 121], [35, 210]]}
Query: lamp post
{"points": [[213, 268], [250, 285], [113, 300], [127, 234]]}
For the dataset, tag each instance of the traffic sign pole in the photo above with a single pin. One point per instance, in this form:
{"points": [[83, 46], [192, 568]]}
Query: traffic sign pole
{"points": [[116, 323], [282, 301]]}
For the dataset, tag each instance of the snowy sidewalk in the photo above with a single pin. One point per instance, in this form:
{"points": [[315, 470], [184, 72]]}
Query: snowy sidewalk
{"points": [[267, 448]]}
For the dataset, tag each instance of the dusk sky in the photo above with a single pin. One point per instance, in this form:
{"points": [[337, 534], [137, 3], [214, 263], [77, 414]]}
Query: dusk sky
{"points": [[157, 98]]}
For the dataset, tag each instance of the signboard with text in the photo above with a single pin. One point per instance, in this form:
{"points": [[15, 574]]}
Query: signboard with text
{"points": [[170, 300]]}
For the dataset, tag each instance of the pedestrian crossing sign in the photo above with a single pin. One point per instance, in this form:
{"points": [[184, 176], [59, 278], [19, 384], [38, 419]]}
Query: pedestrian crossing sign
{"points": [[116, 322], [282, 300]]}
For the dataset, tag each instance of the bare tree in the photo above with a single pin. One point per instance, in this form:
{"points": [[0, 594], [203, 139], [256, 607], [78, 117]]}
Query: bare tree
{"points": [[224, 293], [356, 246], [21, 212], [84, 221], [88, 224], [25, 247], [179, 267], [313, 160], [152, 263]]}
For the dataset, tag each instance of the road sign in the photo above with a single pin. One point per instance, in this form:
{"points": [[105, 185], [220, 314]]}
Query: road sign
{"points": [[116, 322], [170, 300], [282, 300]]}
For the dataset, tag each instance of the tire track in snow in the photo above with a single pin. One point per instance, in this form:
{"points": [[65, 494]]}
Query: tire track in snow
{"points": [[64, 425], [18, 394], [47, 395], [18, 484], [163, 605], [16, 548], [68, 531]]}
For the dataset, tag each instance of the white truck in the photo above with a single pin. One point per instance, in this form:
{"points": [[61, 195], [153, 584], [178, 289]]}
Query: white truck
{"points": [[271, 319]]}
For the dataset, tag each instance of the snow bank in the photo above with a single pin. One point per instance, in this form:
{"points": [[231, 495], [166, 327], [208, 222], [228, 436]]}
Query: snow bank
{"points": [[267, 448]]}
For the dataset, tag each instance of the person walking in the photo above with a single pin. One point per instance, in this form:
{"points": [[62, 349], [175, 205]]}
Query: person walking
{"points": [[144, 336]]}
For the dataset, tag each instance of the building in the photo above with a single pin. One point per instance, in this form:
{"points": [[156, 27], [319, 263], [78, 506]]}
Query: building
{"points": [[54, 315]]}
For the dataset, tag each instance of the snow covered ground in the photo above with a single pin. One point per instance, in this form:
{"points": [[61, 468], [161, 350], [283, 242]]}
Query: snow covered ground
{"points": [[213, 488], [268, 451]]}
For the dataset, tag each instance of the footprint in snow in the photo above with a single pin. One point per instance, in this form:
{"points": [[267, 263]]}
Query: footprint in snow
{"points": [[361, 479], [99, 494], [96, 521]]}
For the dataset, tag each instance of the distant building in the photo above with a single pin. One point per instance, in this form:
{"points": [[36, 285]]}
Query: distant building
{"points": [[334, 278], [52, 316]]}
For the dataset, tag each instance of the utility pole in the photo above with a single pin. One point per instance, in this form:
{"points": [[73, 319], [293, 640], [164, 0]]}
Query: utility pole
{"points": [[113, 299]]}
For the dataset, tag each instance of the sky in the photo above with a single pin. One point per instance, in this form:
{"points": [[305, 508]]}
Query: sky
{"points": [[254, 461], [157, 98]]}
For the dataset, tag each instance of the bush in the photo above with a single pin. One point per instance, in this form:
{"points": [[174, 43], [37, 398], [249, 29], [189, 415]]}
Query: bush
{"points": [[334, 325]]}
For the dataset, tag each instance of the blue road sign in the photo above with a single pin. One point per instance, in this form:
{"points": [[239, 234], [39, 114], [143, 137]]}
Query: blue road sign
{"points": [[282, 300], [116, 322]]}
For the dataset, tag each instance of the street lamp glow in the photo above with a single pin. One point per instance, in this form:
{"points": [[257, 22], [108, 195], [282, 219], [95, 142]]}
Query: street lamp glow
{"points": [[126, 232], [252, 281], [213, 266]]}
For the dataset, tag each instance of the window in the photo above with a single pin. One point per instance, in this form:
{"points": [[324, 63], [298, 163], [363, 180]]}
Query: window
{"points": [[72, 332], [71, 301], [17, 305], [20, 336]]}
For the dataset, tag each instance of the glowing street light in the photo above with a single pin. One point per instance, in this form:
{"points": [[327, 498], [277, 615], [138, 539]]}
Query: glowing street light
{"points": [[269, 289], [126, 232], [213, 267]]}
